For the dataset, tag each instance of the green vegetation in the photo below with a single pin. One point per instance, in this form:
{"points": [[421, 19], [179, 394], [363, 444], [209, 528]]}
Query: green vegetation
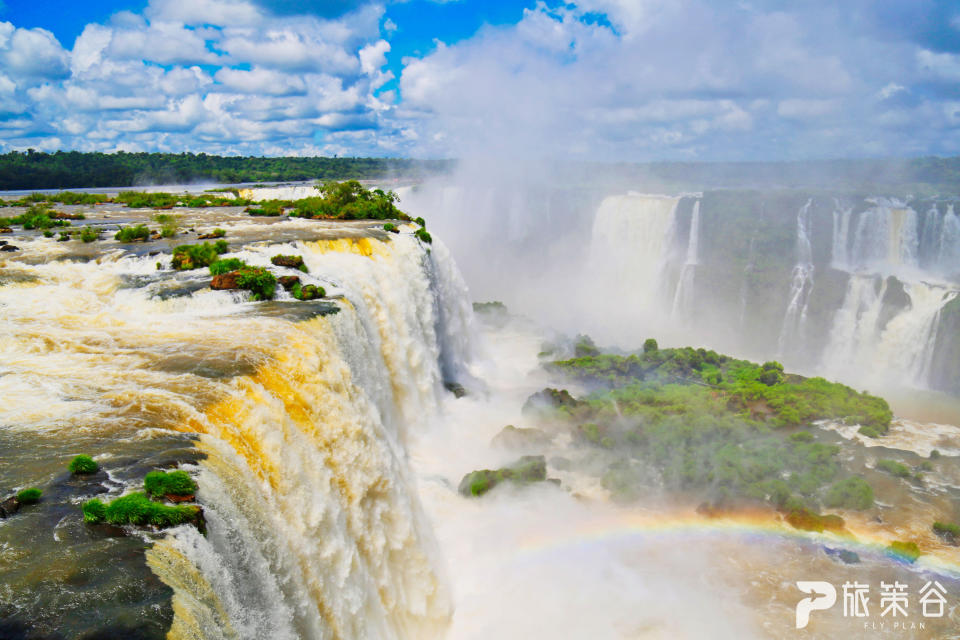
{"points": [[38, 170], [196, 256], [948, 531], [420, 221], [94, 511], [291, 262], [894, 468], [169, 224], [258, 281], [218, 267], [29, 496], [423, 236], [908, 551], [38, 216], [172, 483], [307, 292], [392, 228], [138, 509], [524, 471], [494, 306], [136, 233], [218, 233], [850, 493], [89, 234], [650, 345], [349, 200], [269, 208], [692, 420], [83, 464]]}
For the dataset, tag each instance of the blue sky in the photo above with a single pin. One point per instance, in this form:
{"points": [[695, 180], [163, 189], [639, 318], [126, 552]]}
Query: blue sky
{"points": [[632, 80]]}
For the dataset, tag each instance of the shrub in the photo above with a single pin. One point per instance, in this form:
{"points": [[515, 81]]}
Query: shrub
{"points": [[89, 234], [850, 493], [29, 496], [83, 464], [392, 228], [169, 224], [650, 345], [219, 233], [420, 221], [48, 234], [38, 216], [258, 281], [195, 256], [174, 483], [138, 509], [894, 468], [139, 232], [307, 292], [64, 236], [94, 511], [227, 265], [423, 236]]}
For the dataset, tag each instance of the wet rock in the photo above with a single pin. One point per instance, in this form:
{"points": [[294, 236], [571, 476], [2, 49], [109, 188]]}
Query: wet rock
{"points": [[550, 399], [526, 470], [292, 262], [209, 236], [511, 437], [455, 388], [843, 555], [226, 281], [288, 282], [309, 292], [178, 499], [9, 507], [6, 230], [9, 248]]}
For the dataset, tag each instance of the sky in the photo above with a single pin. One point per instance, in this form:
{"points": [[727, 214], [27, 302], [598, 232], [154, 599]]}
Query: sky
{"points": [[596, 80]]}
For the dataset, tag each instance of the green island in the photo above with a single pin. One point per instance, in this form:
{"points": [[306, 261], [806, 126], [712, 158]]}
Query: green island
{"points": [[146, 508], [727, 433]]}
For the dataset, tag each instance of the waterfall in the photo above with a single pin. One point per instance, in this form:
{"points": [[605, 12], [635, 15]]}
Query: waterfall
{"points": [[683, 298], [949, 250], [630, 244], [314, 527], [898, 353], [886, 238], [840, 257], [792, 332], [748, 270]]}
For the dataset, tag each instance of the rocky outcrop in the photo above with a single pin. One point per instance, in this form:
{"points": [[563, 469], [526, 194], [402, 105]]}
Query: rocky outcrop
{"points": [[288, 282], [224, 281], [511, 437], [526, 470]]}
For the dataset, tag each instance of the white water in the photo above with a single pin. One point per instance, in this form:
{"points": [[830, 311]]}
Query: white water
{"points": [[898, 354], [684, 296], [840, 256], [793, 330], [886, 239]]}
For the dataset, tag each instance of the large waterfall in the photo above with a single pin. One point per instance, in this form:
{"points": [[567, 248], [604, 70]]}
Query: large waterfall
{"points": [[683, 297], [302, 411], [792, 333]]}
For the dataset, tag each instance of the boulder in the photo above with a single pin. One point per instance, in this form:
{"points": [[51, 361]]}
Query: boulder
{"points": [[6, 230], [9, 507], [292, 262], [524, 471], [226, 281], [511, 437], [9, 248], [288, 282], [455, 388]]}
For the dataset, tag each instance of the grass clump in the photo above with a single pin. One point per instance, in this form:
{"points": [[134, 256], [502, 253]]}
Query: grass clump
{"points": [[392, 228], [169, 224], [850, 493], [89, 234], [226, 265], [29, 496], [138, 509], [83, 464], [258, 281], [291, 262], [196, 256], [94, 511], [173, 483], [269, 208], [423, 235], [307, 292], [894, 468], [38, 216], [138, 233]]}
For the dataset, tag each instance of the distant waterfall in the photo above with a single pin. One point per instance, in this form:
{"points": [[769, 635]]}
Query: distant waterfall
{"points": [[630, 245], [899, 352], [949, 250], [792, 334], [840, 258], [683, 298], [886, 238]]}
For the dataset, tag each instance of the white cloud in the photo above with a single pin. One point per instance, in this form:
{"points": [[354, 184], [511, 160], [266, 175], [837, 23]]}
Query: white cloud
{"points": [[803, 109], [194, 12], [260, 81], [31, 54], [890, 90], [943, 65]]}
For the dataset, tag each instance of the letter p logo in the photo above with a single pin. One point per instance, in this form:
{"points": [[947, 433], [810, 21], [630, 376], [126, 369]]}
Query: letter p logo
{"points": [[822, 595]]}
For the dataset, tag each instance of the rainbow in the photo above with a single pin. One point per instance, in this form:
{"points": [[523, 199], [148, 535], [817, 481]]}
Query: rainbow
{"points": [[680, 525]]}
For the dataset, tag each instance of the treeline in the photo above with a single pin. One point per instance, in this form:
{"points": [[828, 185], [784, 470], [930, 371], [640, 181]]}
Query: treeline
{"points": [[73, 169]]}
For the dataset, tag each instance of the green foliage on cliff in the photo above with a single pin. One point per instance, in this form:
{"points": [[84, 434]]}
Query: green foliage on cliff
{"points": [[349, 200], [850, 493], [524, 471], [258, 281], [138, 509], [894, 468]]}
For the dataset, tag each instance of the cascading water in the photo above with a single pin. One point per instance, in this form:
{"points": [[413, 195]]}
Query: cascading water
{"points": [[886, 237], [315, 529], [792, 332], [683, 298], [949, 250], [840, 256]]}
